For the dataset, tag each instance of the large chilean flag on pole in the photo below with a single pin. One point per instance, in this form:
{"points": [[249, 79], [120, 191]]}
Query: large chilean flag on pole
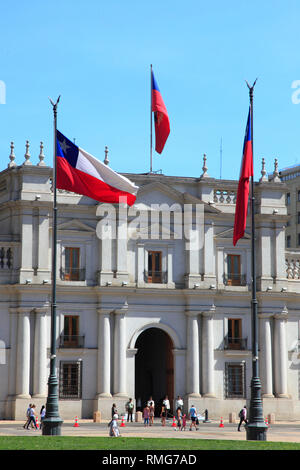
{"points": [[81, 173], [241, 206], [161, 118]]}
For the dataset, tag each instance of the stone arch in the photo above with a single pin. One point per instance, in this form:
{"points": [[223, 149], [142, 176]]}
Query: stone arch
{"points": [[162, 326]]}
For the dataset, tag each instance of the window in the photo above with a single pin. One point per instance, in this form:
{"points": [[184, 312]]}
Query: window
{"points": [[234, 270], [235, 380], [70, 380], [70, 337], [288, 241], [234, 338], [72, 257], [288, 199], [155, 274]]}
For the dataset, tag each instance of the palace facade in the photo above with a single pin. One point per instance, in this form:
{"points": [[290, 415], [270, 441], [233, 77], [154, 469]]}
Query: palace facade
{"points": [[152, 300]]}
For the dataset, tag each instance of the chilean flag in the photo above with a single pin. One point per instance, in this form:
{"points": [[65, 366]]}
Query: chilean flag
{"points": [[81, 173], [241, 206], [161, 118]]}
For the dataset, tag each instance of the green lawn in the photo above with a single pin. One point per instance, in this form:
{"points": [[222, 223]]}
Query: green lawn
{"points": [[132, 443]]}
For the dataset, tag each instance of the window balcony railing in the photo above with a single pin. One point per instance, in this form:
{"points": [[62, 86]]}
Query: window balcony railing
{"points": [[235, 343], [234, 279], [72, 274], [71, 341], [155, 277]]}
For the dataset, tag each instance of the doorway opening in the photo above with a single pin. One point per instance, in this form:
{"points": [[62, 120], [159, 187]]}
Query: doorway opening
{"points": [[154, 368]]}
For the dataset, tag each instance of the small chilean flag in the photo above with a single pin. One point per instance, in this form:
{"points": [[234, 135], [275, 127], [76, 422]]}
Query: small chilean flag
{"points": [[161, 118], [241, 206], [81, 173]]}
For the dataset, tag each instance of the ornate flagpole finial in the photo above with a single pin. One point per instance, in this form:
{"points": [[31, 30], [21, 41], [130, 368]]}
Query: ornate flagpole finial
{"points": [[27, 155], [12, 157], [41, 155], [106, 161]]}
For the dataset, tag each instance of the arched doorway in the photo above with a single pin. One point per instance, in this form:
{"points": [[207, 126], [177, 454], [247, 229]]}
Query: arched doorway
{"points": [[154, 367]]}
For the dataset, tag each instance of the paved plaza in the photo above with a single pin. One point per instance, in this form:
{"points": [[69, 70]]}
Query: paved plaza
{"points": [[278, 432]]}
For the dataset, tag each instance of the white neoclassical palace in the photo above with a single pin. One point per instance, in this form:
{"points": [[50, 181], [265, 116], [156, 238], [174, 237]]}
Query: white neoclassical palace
{"points": [[151, 301]]}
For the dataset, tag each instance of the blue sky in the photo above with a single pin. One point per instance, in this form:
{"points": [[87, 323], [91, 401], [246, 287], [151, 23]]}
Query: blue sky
{"points": [[97, 56]]}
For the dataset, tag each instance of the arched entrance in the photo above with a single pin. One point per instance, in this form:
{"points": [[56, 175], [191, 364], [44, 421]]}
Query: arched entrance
{"points": [[154, 367]]}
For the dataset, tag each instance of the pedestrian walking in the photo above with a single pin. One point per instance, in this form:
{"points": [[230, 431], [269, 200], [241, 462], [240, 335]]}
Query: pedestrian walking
{"points": [[113, 427], [146, 414], [42, 414], [243, 417], [32, 414], [163, 415], [179, 417], [114, 410], [27, 415], [183, 424], [129, 408], [193, 417], [151, 414]]}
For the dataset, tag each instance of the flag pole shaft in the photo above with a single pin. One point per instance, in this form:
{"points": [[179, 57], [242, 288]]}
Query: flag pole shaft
{"points": [[52, 422], [151, 118], [256, 427]]}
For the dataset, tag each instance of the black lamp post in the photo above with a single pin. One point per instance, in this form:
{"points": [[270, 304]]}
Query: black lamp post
{"points": [[52, 422], [256, 427]]}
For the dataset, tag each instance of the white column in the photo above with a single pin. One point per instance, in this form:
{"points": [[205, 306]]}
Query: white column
{"points": [[140, 264], [265, 357], [280, 355], [23, 355], [26, 271], [208, 354], [104, 356], [170, 256], [122, 270], [280, 270], [209, 255], [40, 354], [13, 351], [120, 353], [192, 365], [43, 242]]}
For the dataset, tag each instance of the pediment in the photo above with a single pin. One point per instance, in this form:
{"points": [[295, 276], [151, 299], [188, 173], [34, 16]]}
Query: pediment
{"points": [[228, 235], [155, 231], [75, 225], [159, 193]]}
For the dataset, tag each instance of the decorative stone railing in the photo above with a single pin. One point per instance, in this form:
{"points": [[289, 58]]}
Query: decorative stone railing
{"points": [[224, 196], [6, 257], [292, 262]]}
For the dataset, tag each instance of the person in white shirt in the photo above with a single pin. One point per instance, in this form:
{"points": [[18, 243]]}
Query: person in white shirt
{"points": [[167, 405], [179, 403], [151, 402]]}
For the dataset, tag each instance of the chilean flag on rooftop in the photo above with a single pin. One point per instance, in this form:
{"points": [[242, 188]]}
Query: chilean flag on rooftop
{"points": [[81, 173], [241, 206], [161, 118]]}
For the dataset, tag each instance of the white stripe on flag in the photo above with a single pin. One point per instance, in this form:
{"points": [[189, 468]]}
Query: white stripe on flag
{"points": [[94, 167]]}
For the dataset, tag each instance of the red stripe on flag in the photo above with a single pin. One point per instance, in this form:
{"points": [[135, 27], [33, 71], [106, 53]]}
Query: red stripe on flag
{"points": [[77, 181], [241, 207], [161, 121]]}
